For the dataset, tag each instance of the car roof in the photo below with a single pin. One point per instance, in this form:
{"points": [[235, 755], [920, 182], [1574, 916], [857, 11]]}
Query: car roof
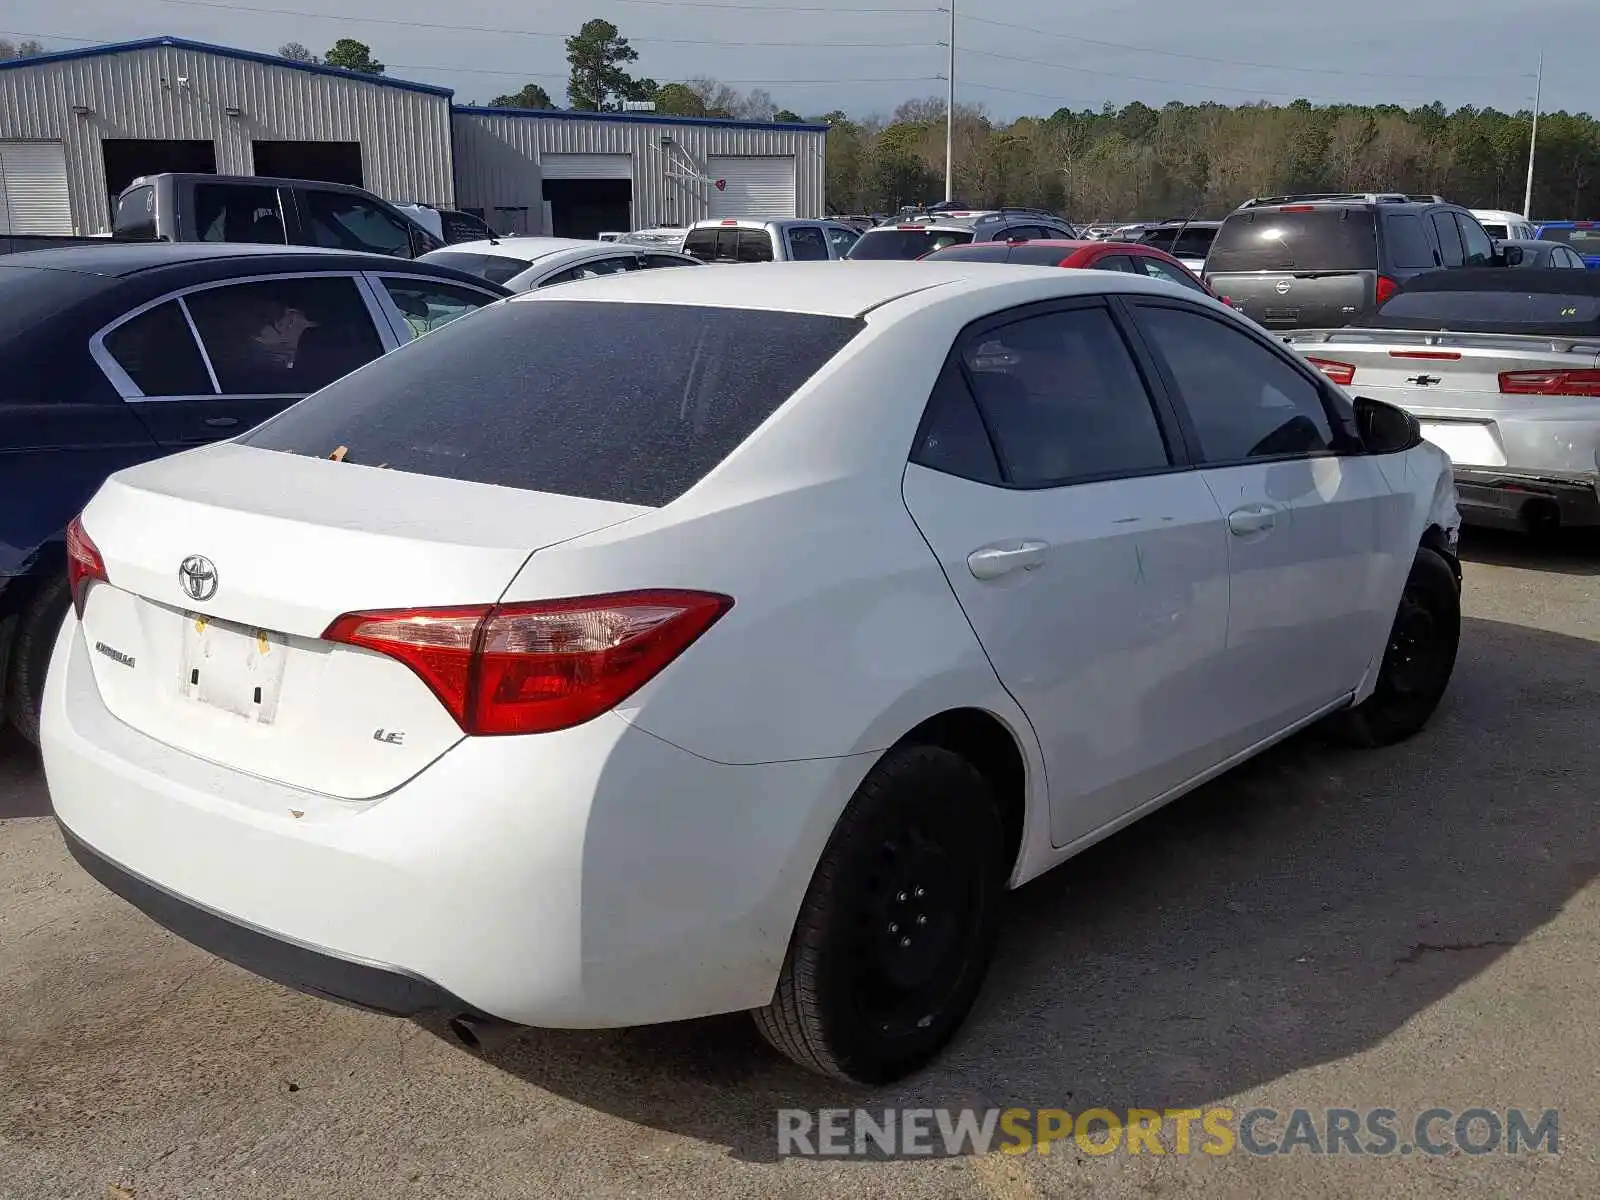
{"points": [[119, 259], [830, 289], [519, 247]]}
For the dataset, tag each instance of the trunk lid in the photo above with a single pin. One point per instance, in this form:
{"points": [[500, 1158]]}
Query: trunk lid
{"points": [[1297, 299], [1451, 381], [226, 564]]}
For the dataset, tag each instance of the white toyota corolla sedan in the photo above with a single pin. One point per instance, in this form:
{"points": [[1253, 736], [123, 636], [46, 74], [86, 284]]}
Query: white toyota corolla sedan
{"points": [[683, 642]]}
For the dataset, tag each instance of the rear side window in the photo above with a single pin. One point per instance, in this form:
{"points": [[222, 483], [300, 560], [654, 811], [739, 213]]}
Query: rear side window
{"points": [[159, 353], [283, 337], [1480, 250], [906, 244], [632, 403], [1407, 241], [1323, 239], [806, 244]]}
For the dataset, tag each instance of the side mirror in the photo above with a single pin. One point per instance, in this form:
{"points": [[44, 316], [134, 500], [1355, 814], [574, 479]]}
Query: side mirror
{"points": [[1511, 256], [1386, 428]]}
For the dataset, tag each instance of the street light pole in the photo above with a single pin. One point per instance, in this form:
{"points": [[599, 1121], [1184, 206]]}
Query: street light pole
{"points": [[950, 114], [1533, 141]]}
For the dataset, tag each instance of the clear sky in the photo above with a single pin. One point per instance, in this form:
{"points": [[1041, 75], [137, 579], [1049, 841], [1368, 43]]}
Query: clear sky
{"points": [[1015, 57]]}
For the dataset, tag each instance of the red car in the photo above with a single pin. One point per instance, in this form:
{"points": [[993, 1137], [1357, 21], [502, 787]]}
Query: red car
{"points": [[1099, 256]]}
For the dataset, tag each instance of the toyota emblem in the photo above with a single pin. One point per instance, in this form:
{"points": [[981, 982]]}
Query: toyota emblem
{"points": [[1283, 287], [198, 577]]}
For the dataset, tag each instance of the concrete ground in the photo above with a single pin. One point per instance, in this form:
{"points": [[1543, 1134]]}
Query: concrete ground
{"points": [[1398, 929]]}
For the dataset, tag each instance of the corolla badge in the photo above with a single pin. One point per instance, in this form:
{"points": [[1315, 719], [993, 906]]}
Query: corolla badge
{"points": [[1283, 287], [197, 575]]}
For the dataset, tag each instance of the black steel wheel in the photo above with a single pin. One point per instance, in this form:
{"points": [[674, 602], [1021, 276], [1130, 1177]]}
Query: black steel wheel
{"points": [[897, 928]]}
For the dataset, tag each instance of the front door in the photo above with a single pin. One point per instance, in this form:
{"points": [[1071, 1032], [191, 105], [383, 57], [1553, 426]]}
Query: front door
{"points": [[1312, 525], [1091, 564]]}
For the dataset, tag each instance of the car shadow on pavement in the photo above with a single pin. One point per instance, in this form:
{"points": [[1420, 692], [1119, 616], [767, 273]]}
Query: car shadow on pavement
{"points": [[1295, 912], [1560, 552], [22, 792]]}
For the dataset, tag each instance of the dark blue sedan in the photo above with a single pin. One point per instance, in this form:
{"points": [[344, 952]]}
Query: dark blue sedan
{"points": [[114, 354]]}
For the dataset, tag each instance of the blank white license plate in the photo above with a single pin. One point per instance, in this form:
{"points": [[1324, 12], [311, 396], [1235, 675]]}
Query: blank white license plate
{"points": [[234, 668], [1467, 444]]}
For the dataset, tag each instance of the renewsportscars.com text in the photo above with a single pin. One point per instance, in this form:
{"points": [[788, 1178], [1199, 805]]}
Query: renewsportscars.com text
{"points": [[1380, 1132]]}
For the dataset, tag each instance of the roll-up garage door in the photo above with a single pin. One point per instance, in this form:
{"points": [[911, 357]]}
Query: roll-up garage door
{"points": [[33, 188], [753, 186], [586, 166]]}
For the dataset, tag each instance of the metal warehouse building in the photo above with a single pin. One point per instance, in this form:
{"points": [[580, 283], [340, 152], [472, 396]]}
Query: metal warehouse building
{"points": [[578, 174], [77, 127]]}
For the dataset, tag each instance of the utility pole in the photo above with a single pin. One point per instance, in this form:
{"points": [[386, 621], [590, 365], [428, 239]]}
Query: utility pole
{"points": [[950, 114], [1533, 141]]}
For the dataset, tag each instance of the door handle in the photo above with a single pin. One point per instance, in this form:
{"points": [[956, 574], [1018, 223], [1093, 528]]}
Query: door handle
{"points": [[1255, 518], [222, 422], [1002, 558]]}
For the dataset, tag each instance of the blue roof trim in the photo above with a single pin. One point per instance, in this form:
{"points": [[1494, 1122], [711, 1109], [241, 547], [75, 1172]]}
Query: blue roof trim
{"points": [[630, 118], [271, 60]]}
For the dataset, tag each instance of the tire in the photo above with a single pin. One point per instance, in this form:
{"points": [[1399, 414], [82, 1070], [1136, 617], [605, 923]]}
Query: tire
{"points": [[869, 993], [1418, 661], [30, 655]]}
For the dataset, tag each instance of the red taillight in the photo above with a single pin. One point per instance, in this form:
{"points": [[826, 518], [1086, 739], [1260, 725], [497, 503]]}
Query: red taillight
{"points": [[1343, 374], [1297, 208], [84, 564], [1550, 383], [1583, 224], [538, 667], [1430, 355], [1386, 288]]}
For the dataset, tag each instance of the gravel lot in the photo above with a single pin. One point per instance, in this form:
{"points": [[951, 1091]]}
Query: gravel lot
{"points": [[1397, 929]]}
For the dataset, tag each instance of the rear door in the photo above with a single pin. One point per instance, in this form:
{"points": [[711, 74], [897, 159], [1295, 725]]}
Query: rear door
{"points": [[1090, 562], [1297, 266], [1312, 526]]}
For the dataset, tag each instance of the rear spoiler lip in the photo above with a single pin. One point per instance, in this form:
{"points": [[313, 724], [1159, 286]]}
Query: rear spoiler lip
{"points": [[1376, 337]]}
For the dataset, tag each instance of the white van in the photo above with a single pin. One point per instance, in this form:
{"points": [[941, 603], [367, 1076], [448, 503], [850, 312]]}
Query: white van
{"points": [[1500, 224]]}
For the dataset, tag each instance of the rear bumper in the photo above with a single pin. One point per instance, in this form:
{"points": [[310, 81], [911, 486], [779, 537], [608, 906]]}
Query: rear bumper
{"points": [[1502, 496], [309, 969], [589, 878]]}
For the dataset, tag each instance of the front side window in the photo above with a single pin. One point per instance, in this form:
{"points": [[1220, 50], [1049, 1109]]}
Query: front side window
{"points": [[1479, 249], [1449, 235], [1245, 401], [426, 306], [284, 337], [806, 244], [158, 352], [341, 221], [238, 212], [1063, 400]]}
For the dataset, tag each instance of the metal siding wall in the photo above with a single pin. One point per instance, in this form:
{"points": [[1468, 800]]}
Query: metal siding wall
{"points": [[405, 136], [497, 161]]}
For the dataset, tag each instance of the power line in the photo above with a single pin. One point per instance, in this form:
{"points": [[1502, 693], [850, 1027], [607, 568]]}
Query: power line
{"points": [[1209, 87], [535, 33], [1228, 62]]}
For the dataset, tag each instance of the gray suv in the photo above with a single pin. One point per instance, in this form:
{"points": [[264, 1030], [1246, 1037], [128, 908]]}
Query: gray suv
{"points": [[916, 236], [1307, 262]]}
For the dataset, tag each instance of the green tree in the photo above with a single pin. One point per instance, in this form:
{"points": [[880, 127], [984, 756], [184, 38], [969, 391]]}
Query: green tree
{"points": [[679, 100], [787, 115], [597, 54], [531, 96], [298, 52], [353, 56], [27, 48]]}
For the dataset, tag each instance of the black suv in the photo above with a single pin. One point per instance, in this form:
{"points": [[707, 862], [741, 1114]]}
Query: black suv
{"points": [[1301, 262]]}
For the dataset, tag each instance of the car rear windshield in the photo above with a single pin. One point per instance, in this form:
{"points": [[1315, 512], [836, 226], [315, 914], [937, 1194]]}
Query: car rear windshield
{"points": [[1584, 241], [1323, 239], [496, 268], [1494, 311], [906, 243], [632, 403], [28, 295]]}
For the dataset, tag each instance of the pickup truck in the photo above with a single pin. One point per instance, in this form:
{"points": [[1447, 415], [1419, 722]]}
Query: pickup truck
{"points": [[251, 208]]}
